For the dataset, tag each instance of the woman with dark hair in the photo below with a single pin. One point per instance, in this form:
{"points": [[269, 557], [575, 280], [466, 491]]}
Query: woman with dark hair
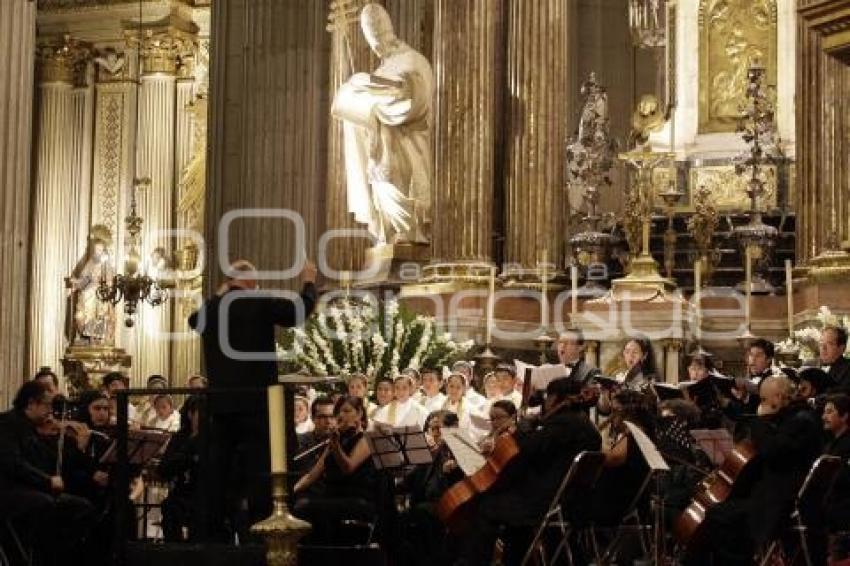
{"points": [[346, 469], [640, 372]]}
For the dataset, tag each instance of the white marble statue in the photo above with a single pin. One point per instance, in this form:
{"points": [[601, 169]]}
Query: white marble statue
{"points": [[386, 119]]}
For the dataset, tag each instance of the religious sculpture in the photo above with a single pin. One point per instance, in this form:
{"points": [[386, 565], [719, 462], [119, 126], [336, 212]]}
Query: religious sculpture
{"points": [[93, 319], [386, 118], [646, 119]]}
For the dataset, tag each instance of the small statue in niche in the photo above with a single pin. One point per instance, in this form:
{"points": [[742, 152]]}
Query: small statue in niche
{"points": [[93, 319]]}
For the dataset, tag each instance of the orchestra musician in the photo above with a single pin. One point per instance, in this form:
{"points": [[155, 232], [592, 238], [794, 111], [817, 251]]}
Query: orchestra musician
{"points": [[787, 439], [311, 443], [179, 467], [32, 490], [639, 373], [570, 349], [345, 467], [836, 419], [545, 455], [833, 345]]}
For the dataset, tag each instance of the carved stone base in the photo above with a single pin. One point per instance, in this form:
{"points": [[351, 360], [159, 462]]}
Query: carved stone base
{"points": [[85, 366], [392, 265], [830, 265]]}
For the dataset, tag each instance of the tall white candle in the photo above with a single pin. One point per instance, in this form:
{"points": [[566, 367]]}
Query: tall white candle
{"points": [[698, 297], [789, 290], [491, 305], [574, 283], [748, 266], [277, 428], [544, 303]]}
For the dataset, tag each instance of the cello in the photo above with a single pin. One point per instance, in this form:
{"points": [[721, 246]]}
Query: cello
{"points": [[717, 487]]}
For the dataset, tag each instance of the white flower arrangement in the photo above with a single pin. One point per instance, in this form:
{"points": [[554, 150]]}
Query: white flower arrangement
{"points": [[361, 337], [806, 341]]}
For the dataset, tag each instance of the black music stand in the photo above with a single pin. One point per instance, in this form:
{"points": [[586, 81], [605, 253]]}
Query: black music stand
{"points": [[142, 447], [397, 448]]}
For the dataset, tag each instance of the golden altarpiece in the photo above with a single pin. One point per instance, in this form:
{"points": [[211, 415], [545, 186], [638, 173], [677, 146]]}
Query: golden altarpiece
{"points": [[556, 148]]}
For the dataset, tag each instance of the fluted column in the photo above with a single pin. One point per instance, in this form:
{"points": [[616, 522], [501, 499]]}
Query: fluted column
{"points": [[17, 44], [468, 60], [155, 160], [268, 129], [82, 109], [184, 136], [344, 254], [52, 254], [536, 114]]}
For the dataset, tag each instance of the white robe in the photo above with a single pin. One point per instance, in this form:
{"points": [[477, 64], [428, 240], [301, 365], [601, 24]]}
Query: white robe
{"points": [[409, 413]]}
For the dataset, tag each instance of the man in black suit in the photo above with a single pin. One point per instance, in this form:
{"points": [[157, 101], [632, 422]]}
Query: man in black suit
{"points": [[324, 423], [237, 327], [31, 492], [833, 343], [836, 420], [545, 455], [570, 350], [787, 437]]}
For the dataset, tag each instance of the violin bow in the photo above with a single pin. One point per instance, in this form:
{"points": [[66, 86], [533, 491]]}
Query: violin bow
{"points": [[61, 443]]}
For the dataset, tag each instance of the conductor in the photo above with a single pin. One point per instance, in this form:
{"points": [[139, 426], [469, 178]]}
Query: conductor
{"points": [[237, 328]]}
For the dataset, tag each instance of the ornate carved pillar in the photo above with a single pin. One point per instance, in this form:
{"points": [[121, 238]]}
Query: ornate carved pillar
{"points": [[346, 254], [82, 102], [54, 196], [536, 114], [268, 130], [469, 64], [17, 44]]}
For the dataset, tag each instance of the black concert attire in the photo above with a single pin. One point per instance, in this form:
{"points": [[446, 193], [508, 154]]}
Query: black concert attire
{"points": [[839, 373], [352, 496], [424, 535], [838, 508], [581, 371], [786, 445], [528, 487], [239, 439], [59, 523], [303, 465], [688, 464], [738, 410], [179, 466]]}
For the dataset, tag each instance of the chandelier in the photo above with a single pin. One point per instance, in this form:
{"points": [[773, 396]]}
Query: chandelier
{"points": [[133, 286], [648, 22]]}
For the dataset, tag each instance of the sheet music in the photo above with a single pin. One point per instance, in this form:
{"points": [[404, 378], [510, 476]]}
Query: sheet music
{"points": [[650, 453], [542, 375], [466, 454]]}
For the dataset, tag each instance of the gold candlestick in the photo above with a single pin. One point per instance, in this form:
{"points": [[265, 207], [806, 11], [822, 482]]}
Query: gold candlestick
{"points": [[748, 267], [574, 284], [491, 304], [789, 292], [281, 530], [544, 301], [697, 298]]}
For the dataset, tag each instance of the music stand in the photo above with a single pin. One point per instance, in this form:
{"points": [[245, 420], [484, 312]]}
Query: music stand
{"points": [[142, 447], [396, 448]]}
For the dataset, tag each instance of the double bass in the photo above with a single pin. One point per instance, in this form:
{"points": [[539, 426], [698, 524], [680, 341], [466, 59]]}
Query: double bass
{"points": [[717, 487]]}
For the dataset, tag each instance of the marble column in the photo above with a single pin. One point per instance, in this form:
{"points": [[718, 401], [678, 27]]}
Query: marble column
{"points": [[344, 254], [52, 254], [155, 160], [17, 44], [268, 131], [82, 102], [536, 130], [469, 70]]}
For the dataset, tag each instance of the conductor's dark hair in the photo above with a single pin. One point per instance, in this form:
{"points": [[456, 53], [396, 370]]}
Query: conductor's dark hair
{"points": [[29, 392]]}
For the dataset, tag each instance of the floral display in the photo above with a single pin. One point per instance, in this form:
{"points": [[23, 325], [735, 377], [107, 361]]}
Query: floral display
{"points": [[376, 339], [806, 340]]}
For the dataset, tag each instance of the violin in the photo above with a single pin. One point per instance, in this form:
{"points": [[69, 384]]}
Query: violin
{"points": [[688, 528]]}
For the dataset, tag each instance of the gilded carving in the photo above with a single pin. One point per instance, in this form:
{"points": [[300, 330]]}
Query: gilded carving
{"points": [[108, 148], [729, 190], [162, 50], [733, 34], [63, 60]]}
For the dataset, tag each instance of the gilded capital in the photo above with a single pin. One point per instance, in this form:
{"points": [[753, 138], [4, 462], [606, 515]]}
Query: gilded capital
{"points": [[162, 50], [63, 60]]}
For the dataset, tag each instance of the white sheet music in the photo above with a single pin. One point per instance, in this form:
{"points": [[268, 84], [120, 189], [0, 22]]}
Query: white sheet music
{"points": [[653, 457], [466, 454], [542, 375]]}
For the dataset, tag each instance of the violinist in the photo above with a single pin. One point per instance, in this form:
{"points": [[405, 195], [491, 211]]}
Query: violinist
{"points": [[836, 420], [32, 491], [786, 437], [503, 415], [545, 455]]}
